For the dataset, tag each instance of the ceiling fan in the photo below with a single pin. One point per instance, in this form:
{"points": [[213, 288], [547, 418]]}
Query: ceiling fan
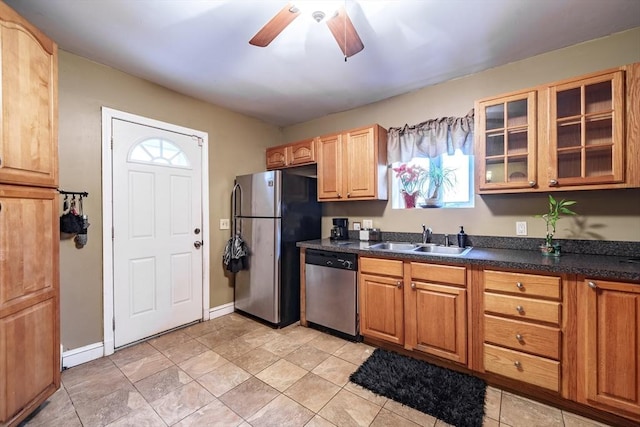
{"points": [[339, 24]]}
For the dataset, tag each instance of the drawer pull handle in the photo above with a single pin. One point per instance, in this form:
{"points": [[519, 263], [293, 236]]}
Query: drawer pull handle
{"points": [[592, 285], [520, 309], [517, 364], [413, 285], [519, 285], [519, 337]]}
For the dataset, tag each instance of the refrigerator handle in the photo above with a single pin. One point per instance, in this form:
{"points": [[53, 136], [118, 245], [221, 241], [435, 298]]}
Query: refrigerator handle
{"points": [[237, 207]]}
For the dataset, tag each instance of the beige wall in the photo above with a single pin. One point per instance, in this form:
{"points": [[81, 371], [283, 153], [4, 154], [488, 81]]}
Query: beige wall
{"points": [[236, 145], [608, 215]]}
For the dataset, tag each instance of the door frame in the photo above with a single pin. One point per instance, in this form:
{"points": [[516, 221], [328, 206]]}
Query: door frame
{"points": [[108, 114]]}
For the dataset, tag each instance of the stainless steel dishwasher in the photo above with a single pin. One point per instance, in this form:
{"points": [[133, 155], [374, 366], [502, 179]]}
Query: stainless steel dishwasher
{"points": [[332, 292]]}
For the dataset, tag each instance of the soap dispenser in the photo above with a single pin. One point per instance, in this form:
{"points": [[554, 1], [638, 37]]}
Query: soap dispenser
{"points": [[462, 238]]}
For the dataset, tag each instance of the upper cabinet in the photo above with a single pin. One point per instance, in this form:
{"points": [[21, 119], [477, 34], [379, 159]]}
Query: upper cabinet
{"points": [[506, 129], [586, 131], [28, 86], [352, 165], [290, 155], [575, 134]]}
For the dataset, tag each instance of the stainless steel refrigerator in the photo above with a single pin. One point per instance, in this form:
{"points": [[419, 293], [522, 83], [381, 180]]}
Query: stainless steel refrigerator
{"points": [[272, 211]]}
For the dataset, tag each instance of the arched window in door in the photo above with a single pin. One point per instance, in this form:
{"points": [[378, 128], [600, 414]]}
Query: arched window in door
{"points": [[160, 152]]}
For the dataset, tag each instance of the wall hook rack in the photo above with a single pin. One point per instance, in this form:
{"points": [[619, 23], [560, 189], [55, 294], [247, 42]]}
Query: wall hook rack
{"points": [[74, 193]]}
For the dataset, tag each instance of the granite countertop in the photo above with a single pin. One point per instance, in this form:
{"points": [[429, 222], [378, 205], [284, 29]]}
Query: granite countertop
{"points": [[588, 265]]}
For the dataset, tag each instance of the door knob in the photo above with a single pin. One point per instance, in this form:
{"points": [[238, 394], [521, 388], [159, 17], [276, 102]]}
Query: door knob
{"points": [[196, 231], [197, 244]]}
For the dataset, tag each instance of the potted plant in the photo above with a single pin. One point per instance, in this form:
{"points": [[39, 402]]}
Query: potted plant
{"points": [[412, 178], [556, 210], [439, 178]]}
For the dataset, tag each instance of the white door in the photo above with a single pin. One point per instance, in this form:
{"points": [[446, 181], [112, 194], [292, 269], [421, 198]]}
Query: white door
{"points": [[157, 230]]}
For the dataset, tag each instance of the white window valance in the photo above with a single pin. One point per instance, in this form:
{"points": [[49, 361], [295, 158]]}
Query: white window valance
{"points": [[431, 138]]}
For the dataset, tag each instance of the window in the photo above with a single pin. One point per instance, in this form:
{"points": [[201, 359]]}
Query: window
{"points": [[443, 181], [160, 152]]}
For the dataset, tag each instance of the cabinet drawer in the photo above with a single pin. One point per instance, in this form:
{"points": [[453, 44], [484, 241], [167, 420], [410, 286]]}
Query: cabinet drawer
{"points": [[523, 308], [522, 367], [438, 273], [530, 285], [523, 336], [387, 267]]}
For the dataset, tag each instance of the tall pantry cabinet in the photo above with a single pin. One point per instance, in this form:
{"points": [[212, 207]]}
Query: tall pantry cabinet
{"points": [[29, 226]]}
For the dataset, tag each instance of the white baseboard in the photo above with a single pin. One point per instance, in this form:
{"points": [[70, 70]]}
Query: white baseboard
{"points": [[221, 310], [81, 355]]}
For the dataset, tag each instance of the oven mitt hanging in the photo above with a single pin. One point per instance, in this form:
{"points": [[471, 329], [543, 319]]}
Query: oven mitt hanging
{"points": [[70, 223]]}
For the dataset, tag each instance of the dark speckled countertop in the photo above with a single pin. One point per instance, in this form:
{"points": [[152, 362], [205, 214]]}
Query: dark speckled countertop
{"points": [[588, 265]]}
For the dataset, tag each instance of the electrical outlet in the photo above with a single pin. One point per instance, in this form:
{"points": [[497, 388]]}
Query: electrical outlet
{"points": [[224, 224], [521, 228], [367, 224], [356, 226]]}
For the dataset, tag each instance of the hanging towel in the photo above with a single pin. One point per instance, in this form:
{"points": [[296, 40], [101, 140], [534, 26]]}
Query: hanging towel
{"points": [[235, 254]]}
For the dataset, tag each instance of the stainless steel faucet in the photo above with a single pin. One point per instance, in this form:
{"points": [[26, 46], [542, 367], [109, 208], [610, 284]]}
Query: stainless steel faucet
{"points": [[426, 234]]}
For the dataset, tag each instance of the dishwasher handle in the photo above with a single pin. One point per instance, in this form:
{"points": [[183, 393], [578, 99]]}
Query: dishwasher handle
{"points": [[340, 260]]}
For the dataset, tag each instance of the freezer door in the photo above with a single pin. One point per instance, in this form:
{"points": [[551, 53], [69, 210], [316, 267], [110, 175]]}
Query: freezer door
{"points": [[257, 288], [259, 195]]}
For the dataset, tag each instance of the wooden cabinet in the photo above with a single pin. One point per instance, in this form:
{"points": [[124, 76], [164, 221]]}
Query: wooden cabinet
{"points": [[28, 79], [507, 135], [586, 131], [29, 234], [290, 155], [574, 134], [521, 324], [381, 286], [436, 311], [352, 165], [608, 353]]}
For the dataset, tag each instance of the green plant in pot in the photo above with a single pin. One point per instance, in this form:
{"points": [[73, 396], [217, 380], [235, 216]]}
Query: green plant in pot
{"points": [[556, 210], [439, 179]]}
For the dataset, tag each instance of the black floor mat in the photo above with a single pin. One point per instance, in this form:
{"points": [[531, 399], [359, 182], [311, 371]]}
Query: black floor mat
{"points": [[453, 397]]}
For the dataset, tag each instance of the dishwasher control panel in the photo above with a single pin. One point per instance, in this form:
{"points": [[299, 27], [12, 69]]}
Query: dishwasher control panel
{"points": [[330, 259]]}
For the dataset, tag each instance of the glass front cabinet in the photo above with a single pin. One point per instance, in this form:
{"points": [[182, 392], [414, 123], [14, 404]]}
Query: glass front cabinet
{"points": [[507, 148], [586, 131], [576, 134]]}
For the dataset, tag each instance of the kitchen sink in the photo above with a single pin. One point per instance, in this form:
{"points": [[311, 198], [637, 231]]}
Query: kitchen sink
{"points": [[442, 250], [425, 248], [394, 246]]}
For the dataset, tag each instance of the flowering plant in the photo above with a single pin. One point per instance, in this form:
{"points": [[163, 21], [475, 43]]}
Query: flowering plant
{"points": [[411, 176]]}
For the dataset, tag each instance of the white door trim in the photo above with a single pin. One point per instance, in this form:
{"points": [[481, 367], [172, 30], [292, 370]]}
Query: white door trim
{"points": [[108, 114]]}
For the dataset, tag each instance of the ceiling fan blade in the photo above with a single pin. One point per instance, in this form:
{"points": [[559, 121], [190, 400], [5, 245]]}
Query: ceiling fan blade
{"points": [[345, 33], [275, 26]]}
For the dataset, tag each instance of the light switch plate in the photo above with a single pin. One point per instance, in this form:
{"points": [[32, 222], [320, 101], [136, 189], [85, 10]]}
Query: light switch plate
{"points": [[521, 228], [224, 224]]}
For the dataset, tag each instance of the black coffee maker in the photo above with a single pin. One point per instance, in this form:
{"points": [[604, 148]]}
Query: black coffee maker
{"points": [[340, 230]]}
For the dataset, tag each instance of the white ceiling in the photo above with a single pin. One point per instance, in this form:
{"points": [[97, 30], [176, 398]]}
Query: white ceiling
{"points": [[200, 48]]}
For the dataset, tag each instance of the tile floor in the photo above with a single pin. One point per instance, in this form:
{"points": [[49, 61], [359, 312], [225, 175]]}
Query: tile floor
{"points": [[232, 371]]}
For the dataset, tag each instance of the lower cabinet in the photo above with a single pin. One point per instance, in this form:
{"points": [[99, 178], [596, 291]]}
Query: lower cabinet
{"points": [[609, 346], [381, 300], [426, 313], [436, 311], [522, 319]]}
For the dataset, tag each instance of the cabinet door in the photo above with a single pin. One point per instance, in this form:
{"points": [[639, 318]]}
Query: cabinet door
{"points": [[277, 157], [609, 345], [28, 86], [302, 153], [439, 320], [330, 167], [506, 142], [360, 163], [29, 331], [381, 308], [586, 131]]}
